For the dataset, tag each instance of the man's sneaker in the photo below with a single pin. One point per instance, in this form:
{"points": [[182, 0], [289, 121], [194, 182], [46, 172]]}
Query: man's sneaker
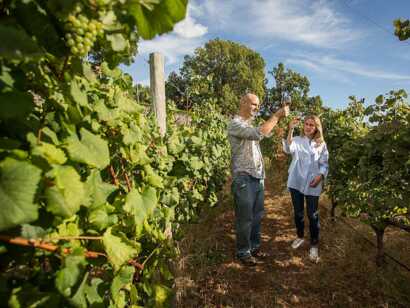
{"points": [[259, 254], [248, 261], [296, 243], [314, 254]]}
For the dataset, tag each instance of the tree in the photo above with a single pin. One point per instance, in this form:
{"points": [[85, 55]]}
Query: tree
{"points": [[289, 82], [402, 29], [221, 70]]}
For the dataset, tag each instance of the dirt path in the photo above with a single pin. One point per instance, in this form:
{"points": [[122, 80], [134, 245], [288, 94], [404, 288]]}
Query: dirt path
{"points": [[208, 274]]}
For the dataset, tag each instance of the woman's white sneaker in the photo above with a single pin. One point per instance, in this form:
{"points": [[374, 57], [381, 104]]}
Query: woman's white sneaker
{"points": [[314, 254], [296, 243]]}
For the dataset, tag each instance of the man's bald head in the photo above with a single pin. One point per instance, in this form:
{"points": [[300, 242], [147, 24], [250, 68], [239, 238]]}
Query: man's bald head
{"points": [[249, 98], [249, 105]]}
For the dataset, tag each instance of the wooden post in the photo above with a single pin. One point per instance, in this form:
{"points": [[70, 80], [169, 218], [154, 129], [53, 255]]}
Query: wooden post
{"points": [[157, 84]]}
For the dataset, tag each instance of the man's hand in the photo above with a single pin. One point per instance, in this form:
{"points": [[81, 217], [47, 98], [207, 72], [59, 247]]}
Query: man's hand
{"points": [[315, 181], [282, 112]]}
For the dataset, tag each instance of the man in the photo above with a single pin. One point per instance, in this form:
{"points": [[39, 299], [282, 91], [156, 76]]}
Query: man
{"points": [[248, 175]]}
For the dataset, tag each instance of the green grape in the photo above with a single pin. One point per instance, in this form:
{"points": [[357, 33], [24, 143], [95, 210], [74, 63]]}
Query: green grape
{"points": [[80, 46], [70, 42], [68, 36], [71, 18], [74, 50], [78, 8], [87, 42], [76, 23], [83, 19]]}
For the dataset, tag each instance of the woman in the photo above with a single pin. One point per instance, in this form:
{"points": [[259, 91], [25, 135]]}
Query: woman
{"points": [[307, 171]]}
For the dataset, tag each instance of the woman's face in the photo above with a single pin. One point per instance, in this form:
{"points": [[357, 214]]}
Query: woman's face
{"points": [[309, 128]]}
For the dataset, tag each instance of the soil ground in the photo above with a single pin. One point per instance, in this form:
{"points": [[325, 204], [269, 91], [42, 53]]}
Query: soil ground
{"points": [[208, 275]]}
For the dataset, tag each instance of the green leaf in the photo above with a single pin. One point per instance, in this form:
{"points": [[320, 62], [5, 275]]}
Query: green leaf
{"points": [[15, 105], [88, 72], [131, 135], [68, 276], [125, 103], [100, 218], [97, 190], [28, 296], [158, 20], [40, 24], [67, 192], [122, 280], [49, 134], [49, 152], [18, 185], [105, 114], [78, 95], [17, 44], [118, 42], [69, 227], [162, 295], [140, 206], [152, 177], [138, 154], [94, 298], [91, 150], [196, 163], [78, 300], [119, 249]]}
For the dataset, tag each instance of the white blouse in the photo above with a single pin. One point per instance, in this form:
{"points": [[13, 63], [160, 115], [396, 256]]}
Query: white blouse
{"points": [[308, 161]]}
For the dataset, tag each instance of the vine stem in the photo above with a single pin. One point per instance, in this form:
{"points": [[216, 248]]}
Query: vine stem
{"points": [[60, 76], [45, 246], [136, 264], [39, 134], [114, 176], [127, 179], [149, 257], [20, 241], [92, 238]]}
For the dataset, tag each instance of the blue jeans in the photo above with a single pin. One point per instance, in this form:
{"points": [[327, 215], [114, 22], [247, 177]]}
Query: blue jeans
{"points": [[248, 196], [312, 203]]}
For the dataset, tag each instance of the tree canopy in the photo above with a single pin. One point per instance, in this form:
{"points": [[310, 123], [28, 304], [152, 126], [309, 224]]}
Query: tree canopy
{"points": [[221, 70]]}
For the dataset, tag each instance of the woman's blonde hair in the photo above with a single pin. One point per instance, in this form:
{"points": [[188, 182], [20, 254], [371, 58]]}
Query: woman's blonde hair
{"points": [[318, 135]]}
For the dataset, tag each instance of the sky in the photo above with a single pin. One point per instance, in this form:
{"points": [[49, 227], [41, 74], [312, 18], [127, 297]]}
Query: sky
{"points": [[344, 47]]}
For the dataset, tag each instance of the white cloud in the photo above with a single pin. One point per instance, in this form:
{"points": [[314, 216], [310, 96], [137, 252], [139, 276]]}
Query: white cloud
{"points": [[315, 23], [330, 64], [189, 27], [173, 47]]}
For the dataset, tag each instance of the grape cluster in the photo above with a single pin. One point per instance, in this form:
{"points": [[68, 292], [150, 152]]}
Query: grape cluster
{"points": [[81, 33]]}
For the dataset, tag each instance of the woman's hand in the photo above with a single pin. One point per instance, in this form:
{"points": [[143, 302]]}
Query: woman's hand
{"points": [[293, 123], [316, 181]]}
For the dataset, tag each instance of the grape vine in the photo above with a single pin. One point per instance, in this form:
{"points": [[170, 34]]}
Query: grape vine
{"points": [[92, 196]]}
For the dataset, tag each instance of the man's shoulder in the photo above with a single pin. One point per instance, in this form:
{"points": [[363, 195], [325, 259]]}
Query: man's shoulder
{"points": [[236, 121]]}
